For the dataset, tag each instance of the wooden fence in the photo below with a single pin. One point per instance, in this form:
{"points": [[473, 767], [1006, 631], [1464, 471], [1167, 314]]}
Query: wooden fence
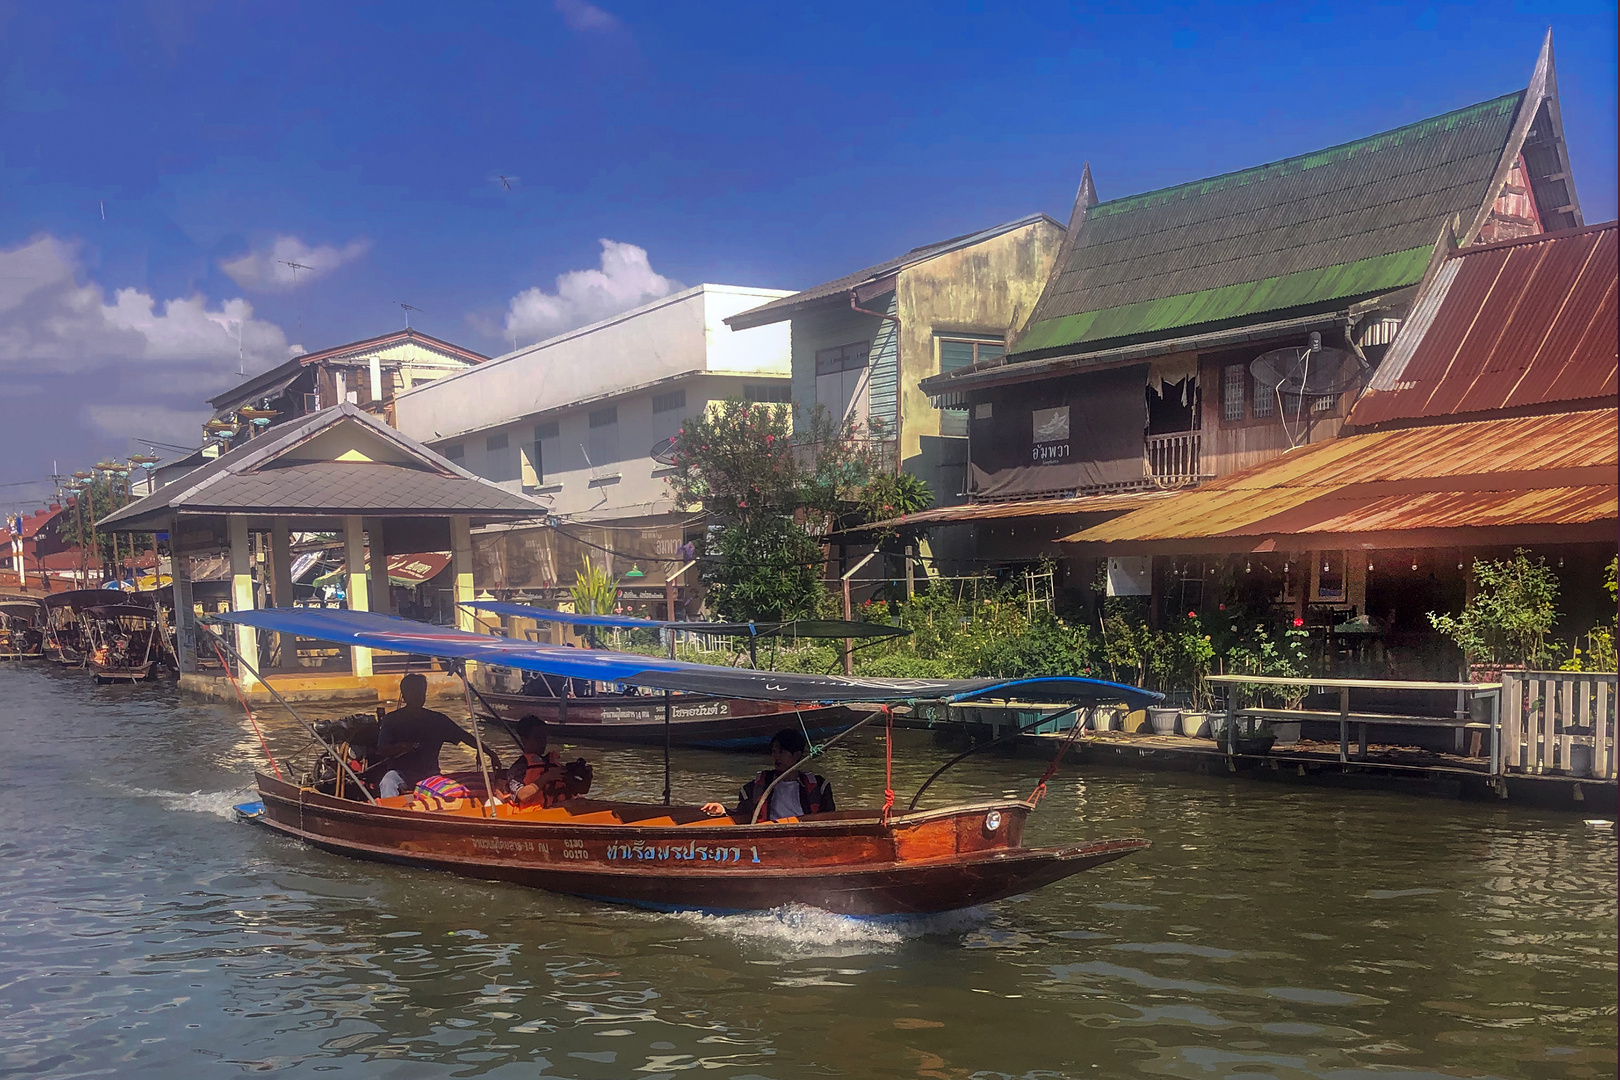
{"points": [[1547, 715]]}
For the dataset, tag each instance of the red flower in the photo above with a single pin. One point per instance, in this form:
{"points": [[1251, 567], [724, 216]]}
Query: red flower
{"points": [[770, 438], [1192, 614], [1299, 622]]}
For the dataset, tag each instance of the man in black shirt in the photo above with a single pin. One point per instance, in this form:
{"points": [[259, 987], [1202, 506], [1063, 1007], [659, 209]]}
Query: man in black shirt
{"points": [[411, 736]]}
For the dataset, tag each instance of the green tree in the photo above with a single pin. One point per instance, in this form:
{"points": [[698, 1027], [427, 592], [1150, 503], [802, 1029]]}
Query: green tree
{"points": [[1514, 607], [774, 488]]}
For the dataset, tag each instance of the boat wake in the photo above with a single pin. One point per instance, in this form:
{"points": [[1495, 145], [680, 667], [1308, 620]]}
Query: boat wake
{"points": [[799, 930], [218, 803]]}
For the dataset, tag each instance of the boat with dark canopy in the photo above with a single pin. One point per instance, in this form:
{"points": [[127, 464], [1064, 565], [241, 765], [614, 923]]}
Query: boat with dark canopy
{"points": [[126, 641], [67, 632], [22, 627], [861, 862], [579, 710]]}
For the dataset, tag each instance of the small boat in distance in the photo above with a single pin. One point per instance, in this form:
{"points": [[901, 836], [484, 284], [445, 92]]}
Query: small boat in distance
{"points": [[22, 627], [126, 642], [581, 711], [856, 862]]}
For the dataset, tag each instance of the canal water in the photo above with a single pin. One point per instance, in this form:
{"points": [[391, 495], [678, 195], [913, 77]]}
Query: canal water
{"points": [[1269, 932]]}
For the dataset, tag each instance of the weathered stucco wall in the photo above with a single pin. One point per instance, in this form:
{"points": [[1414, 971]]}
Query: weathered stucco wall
{"points": [[984, 291]]}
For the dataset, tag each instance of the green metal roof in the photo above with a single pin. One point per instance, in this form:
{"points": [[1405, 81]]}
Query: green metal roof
{"points": [[1337, 224], [1347, 281]]}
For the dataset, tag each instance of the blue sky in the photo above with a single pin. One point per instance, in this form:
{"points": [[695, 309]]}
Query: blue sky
{"points": [[157, 159]]}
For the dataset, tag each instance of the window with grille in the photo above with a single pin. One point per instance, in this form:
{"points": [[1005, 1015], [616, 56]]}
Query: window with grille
{"points": [[603, 442], [605, 417], [776, 395], [495, 442], [1325, 403], [669, 402], [1265, 400], [841, 383], [454, 452], [548, 430], [1232, 380]]}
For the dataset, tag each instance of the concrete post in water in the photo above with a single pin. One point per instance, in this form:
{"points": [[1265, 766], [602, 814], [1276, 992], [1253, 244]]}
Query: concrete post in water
{"points": [[381, 598], [281, 585], [354, 564], [247, 638], [185, 614]]}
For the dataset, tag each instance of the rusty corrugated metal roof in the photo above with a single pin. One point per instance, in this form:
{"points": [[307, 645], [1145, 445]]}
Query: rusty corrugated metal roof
{"points": [[1520, 323], [1077, 504], [1534, 470]]}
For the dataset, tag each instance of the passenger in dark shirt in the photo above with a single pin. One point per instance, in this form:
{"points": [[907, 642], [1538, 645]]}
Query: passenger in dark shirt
{"points": [[411, 736]]}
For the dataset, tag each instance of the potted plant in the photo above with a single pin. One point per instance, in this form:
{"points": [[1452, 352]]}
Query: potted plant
{"points": [[1505, 624]]}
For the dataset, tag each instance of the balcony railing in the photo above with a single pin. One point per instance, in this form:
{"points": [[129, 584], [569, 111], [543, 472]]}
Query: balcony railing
{"points": [[1174, 459]]}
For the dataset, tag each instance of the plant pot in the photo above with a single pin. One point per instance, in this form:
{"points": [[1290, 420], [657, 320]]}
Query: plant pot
{"points": [[1255, 745], [1163, 720], [1195, 725], [1285, 733]]}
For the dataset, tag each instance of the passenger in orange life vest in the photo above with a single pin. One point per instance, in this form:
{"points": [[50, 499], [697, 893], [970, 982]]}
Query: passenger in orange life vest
{"points": [[538, 778], [800, 794]]}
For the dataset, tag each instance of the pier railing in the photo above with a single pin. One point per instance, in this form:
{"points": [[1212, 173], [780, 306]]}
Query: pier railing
{"points": [[1551, 720]]}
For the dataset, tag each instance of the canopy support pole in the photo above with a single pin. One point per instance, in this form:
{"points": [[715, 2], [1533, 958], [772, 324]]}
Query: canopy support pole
{"points": [[478, 737], [669, 710], [937, 773]]}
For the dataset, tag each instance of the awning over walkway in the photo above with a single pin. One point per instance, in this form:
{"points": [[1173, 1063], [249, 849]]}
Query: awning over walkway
{"points": [[1549, 479]]}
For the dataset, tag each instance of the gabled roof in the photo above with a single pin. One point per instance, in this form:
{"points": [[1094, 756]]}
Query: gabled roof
{"points": [[285, 472], [276, 379], [1410, 487], [1514, 325], [788, 306], [1314, 232]]}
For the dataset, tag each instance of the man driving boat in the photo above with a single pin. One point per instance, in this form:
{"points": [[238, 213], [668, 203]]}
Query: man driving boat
{"points": [[411, 736], [800, 794]]}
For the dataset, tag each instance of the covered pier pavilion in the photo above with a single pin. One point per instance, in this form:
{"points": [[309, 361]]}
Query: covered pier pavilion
{"points": [[340, 473]]}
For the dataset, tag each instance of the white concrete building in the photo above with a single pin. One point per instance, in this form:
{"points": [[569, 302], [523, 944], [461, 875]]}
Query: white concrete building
{"points": [[576, 417], [574, 420]]}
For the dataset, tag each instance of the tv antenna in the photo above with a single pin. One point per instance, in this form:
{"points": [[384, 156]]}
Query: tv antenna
{"points": [[1306, 372], [407, 308], [298, 309]]}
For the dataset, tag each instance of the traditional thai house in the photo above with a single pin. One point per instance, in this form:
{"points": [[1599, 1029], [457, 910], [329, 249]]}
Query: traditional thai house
{"points": [[1490, 426], [1135, 375]]}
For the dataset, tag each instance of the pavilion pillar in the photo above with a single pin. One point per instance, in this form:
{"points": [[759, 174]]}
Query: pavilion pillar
{"points": [[281, 587], [377, 566], [461, 571], [247, 638], [354, 560], [185, 611]]}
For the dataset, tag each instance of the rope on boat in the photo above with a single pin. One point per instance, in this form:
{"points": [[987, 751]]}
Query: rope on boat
{"points": [[888, 762], [1051, 770], [249, 710]]}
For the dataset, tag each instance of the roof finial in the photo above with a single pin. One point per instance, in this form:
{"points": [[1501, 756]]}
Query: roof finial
{"points": [[1087, 195]]}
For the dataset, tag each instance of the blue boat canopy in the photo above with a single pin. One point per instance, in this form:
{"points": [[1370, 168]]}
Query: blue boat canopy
{"points": [[389, 632], [805, 628]]}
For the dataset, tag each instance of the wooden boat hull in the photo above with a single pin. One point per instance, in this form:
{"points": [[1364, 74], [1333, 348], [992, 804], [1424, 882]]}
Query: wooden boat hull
{"points": [[710, 723], [850, 863], [123, 674]]}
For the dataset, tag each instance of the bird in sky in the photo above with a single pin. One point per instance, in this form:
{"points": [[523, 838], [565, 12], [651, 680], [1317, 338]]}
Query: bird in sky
{"points": [[504, 180]]}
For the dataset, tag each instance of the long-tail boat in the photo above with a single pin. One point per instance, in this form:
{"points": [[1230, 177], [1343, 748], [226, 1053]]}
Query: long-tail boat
{"points": [[67, 636], [877, 861], [22, 627], [578, 709], [125, 641]]}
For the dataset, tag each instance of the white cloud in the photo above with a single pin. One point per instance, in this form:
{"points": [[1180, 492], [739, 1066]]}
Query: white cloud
{"points": [[164, 423], [51, 320], [585, 17], [625, 280], [266, 269]]}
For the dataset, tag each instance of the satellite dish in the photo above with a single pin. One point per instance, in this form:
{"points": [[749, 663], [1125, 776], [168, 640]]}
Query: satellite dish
{"points": [[1307, 371], [663, 451]]}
